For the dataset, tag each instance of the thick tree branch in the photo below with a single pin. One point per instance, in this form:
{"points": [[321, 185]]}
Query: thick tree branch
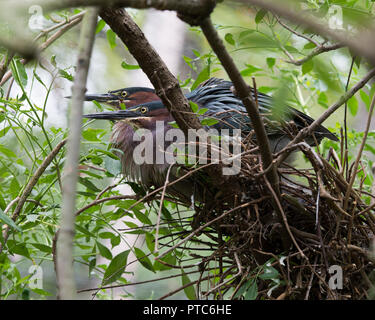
{"points": [[193, 8], [243, 91], [65, 274], [166, 85]]}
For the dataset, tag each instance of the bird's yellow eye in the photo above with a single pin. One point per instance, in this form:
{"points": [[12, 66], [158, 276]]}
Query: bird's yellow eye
{"points": [[143, 109], [124, 94]]}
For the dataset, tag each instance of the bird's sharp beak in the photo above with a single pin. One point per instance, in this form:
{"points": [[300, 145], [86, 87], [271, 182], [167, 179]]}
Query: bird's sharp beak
{"points": [[106, 97], [113, 115]]}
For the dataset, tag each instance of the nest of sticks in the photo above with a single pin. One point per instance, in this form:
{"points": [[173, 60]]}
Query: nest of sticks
{"points": [[321, 249]]}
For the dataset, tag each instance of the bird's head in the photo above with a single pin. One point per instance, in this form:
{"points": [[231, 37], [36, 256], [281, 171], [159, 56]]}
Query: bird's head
{"points": [[143, 115], [130, 97]]}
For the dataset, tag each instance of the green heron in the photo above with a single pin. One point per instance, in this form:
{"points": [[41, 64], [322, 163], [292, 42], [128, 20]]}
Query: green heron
{"points": [[144, 109]]}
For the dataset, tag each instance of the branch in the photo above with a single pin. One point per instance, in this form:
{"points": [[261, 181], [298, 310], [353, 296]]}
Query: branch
{"points": [[29, 187], [315, 52], [166, 85], [66, 25], [244, 93], [22, 46], [362, 44], [65, 274], [193, 8], [320, 48]]}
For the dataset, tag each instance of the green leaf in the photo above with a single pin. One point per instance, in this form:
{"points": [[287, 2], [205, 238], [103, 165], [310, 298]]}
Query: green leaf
{"points": [[142, 217], [357, 61], [143, 259], [189, 291], [260, 15], [100, 26], [307, 66], [129, 66], [41, 292], [309, 45], [7, 220], [353, 105], [104, 251], [202, 76], [173, 124], [39, 80], [53, 60], [150, 242], [209, 122], [88, 184], [66, 75], [19, 73], [194, 106], [111, 37], [245, 33], [252, 292], [42, 247], [249, 70], [202, 111], [113, 166], [3, 204], [365, 98], [269, 272], [14, 187], [115, 241], [7, 152], [91, 134], [18, 248], [116, 268], [323, 100], [229, 38], [85, 231], [106, 235], [270, 62], [170, 258]]}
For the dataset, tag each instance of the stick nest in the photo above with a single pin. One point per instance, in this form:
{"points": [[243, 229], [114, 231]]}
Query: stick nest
{"points": [[326, 225]]}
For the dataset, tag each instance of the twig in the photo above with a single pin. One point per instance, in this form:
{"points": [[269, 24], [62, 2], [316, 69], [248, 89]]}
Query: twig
{"points": [[345, 119], [239, 272], [198, 230], [160, 208], [46, 44], [99, 201], [314, 53], [283, 154], [65, 272], [244, 93], [354, 173], [29, 187], [301, 35]]}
